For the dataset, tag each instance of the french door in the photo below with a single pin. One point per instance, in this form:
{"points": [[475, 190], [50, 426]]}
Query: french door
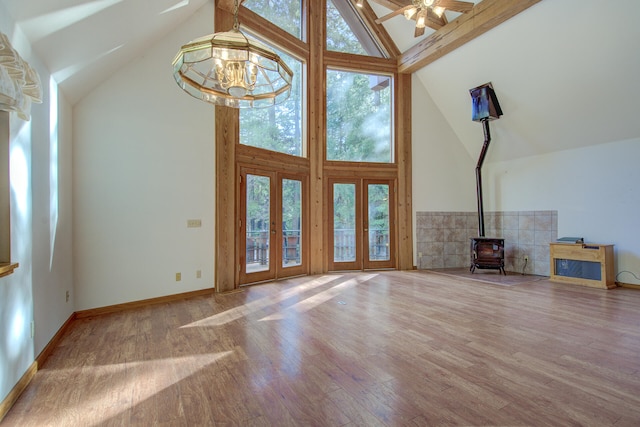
{"points": [[271, 225], [361, 224]]}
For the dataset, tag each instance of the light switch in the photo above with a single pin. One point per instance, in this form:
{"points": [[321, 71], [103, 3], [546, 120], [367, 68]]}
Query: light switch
{"points": [[194, 223]]}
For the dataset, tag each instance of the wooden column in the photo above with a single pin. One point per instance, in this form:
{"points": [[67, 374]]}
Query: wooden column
{"points": [[404, 196], [226, 136], [316, 94]]}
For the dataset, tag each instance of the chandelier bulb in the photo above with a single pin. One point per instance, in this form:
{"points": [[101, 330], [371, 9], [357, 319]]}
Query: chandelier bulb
{"points": [[410, 12], [421, 18], [237, 91]]}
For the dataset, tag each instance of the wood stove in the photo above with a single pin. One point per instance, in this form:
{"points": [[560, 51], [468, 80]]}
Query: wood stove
{"points": [[487, 253]]}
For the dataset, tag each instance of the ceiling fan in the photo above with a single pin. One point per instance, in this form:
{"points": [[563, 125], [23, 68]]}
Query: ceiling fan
{"points": [[426, 13]]}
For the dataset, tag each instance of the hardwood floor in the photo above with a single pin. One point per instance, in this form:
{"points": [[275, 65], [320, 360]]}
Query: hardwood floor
{"points": [[367, 349]]}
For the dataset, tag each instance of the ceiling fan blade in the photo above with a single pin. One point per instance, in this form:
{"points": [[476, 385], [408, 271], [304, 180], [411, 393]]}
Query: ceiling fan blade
{"points": [[456, 6], [433, 18], [392, 14]]}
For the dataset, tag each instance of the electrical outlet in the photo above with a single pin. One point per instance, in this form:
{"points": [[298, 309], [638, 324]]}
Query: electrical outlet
{"points": [[198, 274], [178, 277], [526, 258], [420, 254]]}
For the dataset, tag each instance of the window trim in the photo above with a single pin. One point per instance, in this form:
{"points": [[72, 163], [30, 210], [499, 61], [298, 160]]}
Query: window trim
{"points": [[392, 118], [228, 155], [6, 266]]}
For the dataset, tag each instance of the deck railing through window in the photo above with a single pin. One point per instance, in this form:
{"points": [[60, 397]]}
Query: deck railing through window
{"points": [[378, 244], [258, 247]]}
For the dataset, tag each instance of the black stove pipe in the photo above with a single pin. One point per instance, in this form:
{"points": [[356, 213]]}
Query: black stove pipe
{"points": [[483, 153]]}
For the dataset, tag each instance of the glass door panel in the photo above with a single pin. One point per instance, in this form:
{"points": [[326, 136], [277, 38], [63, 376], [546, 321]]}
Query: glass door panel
{"points": [[379, 225], [345, 226], [271, 225], [361, 224], [291, 223], [344, 222], [259, 223]]}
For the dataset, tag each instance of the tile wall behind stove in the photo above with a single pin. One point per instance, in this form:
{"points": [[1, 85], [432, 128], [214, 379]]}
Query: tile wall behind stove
{"points": [[443, 238]]}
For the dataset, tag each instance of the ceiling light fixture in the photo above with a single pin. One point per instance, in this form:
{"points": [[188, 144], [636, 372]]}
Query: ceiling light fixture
{"points": [[231, 70], [426, 13], [420, 9], [360, 3]]}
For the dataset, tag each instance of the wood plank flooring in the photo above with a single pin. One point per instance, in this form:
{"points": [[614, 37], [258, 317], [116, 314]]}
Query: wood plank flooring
{"points": [[365, 349]]}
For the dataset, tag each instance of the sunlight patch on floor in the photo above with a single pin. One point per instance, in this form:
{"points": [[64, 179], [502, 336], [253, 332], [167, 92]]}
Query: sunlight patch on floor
{"points": [[127, 384], [321, 297], [253, 306]]}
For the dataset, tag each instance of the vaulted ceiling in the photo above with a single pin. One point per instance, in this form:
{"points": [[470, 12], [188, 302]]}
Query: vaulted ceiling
{"points": [[564, 71]]}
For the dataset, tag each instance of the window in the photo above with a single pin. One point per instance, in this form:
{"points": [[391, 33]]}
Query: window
{"points": [[346, 33], [6, 267], [359, 115], [279, 127], [286, 14]]}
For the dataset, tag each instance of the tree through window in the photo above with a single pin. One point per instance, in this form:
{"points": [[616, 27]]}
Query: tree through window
{"points": [[279, 127], [359, 117]]}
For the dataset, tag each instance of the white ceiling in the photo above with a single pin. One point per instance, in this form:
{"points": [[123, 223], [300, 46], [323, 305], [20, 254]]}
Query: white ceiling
{"points": [[83, 42], [565, 72]]}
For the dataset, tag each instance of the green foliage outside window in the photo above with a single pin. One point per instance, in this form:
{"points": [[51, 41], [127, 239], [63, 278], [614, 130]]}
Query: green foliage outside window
{"points": [[286, 14], [277, 128], [358, 117], [340, 37]]}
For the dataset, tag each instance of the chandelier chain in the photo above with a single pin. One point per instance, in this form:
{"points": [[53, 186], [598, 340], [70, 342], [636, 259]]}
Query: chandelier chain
{"points": [[236, 24]]}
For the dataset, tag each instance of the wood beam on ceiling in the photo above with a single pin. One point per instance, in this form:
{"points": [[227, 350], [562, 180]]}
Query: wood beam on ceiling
{"points": [[483, 17]]}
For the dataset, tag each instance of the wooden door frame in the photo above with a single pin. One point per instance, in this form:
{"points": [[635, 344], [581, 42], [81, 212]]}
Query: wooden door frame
{"points": [[332, 265], [303, 268], [276, 268], [393, 229], [226, 276], [243, 276], [361, 237]]}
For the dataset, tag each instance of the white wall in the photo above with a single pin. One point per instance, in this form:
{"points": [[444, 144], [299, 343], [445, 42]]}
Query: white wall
{"points": [[568, 139], [143, 165], [594, 189], [564, 72], [40, 226], [443, 173]]}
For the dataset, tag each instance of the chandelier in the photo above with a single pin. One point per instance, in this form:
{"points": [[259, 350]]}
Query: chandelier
{"points": [[419, 10], [231, 70], [19, 82]]}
